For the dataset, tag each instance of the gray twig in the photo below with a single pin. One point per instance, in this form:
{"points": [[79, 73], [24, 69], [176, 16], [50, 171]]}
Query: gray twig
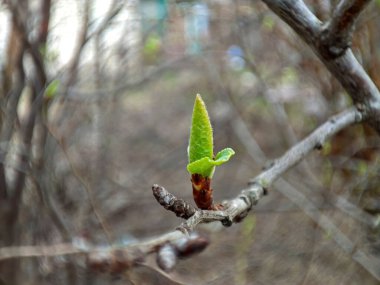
{"points": [[345, 68]]}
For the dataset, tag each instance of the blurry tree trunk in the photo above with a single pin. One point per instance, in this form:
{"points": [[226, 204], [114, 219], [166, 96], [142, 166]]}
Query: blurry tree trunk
{"points": [[20, 130]]}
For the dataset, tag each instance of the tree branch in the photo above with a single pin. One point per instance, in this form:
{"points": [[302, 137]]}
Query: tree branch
{"points": [[72, 68], [345, 68], [338, 32], [369, 263], [236, 210], [314, 141]]}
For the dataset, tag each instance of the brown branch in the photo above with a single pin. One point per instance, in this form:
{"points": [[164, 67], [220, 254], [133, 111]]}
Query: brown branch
{"points": [[337, 35], [368, 262], [185, 245], [85, 36], [27, 128], [92, 199], [237, 208], [345, 68], [115, 259], [44, 23], [102, 94], [178, 206]]}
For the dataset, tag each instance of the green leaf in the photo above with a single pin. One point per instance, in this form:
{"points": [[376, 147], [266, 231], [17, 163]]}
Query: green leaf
{"points": [[204, 167], [152, 45], [201, 141], [51, 89], [200, 149], [223, 156]]}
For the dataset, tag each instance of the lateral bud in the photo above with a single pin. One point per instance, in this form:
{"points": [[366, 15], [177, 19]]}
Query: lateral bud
{"points": [[166, 257], [191, 245], [170, 202]]}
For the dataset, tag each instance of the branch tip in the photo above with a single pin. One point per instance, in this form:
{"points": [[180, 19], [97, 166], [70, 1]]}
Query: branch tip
{"points": [[180, 207]]}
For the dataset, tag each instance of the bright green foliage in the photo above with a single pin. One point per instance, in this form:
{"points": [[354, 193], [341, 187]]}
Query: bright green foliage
{"points": [[201, 142], [200, 151], [206, 166], [223, 156], [51, 89], [152, 47], [203, 166]]}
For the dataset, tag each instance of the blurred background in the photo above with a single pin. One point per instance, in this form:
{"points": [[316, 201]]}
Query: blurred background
{"points": [[96, 101]]}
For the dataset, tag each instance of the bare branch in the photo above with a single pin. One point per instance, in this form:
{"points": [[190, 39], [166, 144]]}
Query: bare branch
{"points": [[85, 36], [180, 207], [314, 141], [369, 263], [238, 208], [72, 68], [114, 258], [337, 35], [92, 199], [44, 24], [354, 211], [102, 94], [113, 11], [345, 68]]}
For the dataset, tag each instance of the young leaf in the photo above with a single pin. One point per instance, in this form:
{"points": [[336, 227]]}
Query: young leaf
{"points": [[201, 141], [204, 167], [224, 156], [200, 151]]}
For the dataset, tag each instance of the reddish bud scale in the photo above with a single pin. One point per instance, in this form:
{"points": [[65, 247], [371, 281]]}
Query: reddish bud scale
{"points": [[202, 191]]}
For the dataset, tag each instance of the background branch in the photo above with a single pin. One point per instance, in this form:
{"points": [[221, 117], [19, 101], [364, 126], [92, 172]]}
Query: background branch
{"points": [[337, 35], [314, 141], [236, 209], [345, 68]]}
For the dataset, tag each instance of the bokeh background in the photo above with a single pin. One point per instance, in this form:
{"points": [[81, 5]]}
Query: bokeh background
{"points": [[123, 76]]}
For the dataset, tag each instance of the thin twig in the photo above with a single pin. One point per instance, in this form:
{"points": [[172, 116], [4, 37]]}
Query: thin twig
{"points": [[314, 141], [369, 263], [236, 209], [90, 194]]}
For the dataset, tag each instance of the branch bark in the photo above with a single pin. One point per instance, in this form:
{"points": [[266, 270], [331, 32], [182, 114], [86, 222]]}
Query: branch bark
{"points": [[344, 67], [314, 141], [236, 209], [338, 32]]}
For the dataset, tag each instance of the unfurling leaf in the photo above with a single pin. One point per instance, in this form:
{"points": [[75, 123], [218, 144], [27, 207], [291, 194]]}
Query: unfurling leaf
{"points": [[200, 151], [224, 156], [204, 167], [201, 141]]}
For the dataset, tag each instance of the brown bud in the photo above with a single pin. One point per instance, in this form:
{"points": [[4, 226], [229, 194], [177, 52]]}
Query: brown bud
{"points": [[189, 246]]}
